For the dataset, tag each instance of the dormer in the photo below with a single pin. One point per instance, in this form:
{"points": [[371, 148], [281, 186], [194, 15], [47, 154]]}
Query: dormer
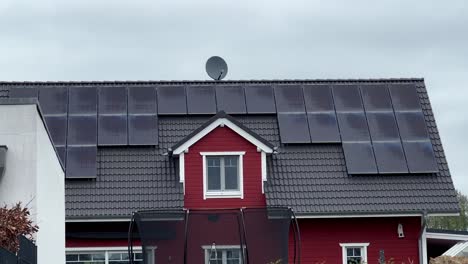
{"points": [[223, 159]]}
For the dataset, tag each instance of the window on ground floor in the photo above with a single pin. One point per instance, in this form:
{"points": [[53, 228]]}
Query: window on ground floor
{"points": [[354, 253], [105, 256], [222, 255]]}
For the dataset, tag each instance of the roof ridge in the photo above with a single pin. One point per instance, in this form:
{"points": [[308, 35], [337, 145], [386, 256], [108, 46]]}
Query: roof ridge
{"points": [[173, 82]]}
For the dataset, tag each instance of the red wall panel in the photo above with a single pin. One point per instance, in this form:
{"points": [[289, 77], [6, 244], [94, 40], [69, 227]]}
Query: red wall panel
{"points": [[321, 238], [223, 139]]}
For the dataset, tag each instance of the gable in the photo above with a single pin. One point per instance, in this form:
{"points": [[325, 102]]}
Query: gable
{"points": [[221, 122]]}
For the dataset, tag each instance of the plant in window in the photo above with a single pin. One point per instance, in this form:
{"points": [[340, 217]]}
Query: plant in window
{"points": [[14, 222]]}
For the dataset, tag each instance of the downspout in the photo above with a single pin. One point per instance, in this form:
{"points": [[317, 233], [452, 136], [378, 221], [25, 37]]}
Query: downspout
{"points": [[422, 239]]}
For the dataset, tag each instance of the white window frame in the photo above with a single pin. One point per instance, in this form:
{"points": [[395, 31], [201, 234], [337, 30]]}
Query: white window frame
{"points": [[106, 251], [207, 250], [363, 247], [224, 194]]}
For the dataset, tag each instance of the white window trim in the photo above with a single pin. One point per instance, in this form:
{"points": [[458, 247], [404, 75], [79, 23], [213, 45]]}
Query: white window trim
{"points": [[225, 194], [344, 246], [222, 122], [106, 250], [207, 249]]}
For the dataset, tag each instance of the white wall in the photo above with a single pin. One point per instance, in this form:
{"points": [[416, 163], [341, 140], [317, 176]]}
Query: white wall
{"points": [[50, 204], [34, 176]]}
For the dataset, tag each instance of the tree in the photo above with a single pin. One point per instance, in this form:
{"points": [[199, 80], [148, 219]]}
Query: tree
{"points": [[14, 222], [459, 223]]}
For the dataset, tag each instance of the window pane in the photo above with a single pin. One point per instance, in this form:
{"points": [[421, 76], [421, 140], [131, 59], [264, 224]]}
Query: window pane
{"points": [[213, 161], [230, 161], [231, 174], [357, 252], [214, 175], [99, 256], [354, 260], [234, 253], [138, 256], [85, 257], [72, 257], [349, 252], [231, 178], [214, 179], [115, 256]]}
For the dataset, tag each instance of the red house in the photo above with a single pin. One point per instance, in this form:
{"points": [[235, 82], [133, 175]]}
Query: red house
{"points": [[360, 163]]}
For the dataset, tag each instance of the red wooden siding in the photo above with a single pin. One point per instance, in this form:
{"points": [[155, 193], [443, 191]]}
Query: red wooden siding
{"points": [[223, 139], [321, 238]]}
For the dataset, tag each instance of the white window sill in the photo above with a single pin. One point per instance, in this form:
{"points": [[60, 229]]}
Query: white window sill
{"points": [[210, 195]]}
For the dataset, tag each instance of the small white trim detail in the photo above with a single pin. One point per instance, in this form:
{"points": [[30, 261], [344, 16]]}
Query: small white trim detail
{"points": [[182, 169], [366, 216], [446, 236], [223, 153], [97, 220], [344, 246], [215, 124], [264, 170], [424, 246], [228, 194], [90, 249]]}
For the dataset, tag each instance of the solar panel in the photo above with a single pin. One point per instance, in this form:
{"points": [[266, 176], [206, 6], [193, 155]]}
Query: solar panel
{"points": [[323, 128], [353, 127], [23, 93], [289, 98], [57, 126], [112, 130], [382, 126], [53, 100], [404, 97], [82, 100], [260, 99], [390, 157], [293, 128], [201, 100], [142, 100], [359, 158], [376, 97], [347, 98], [318, 98], [231, 99], [143, 129], [420, 156], [81, 162], [62, 152], [412, 125], [171, 100], [82, 130], [112, 100]]}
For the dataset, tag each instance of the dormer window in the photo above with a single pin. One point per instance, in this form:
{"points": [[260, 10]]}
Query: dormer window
{"points": [[222, 174]]}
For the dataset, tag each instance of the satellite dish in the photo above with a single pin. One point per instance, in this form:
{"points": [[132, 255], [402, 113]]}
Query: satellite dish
{"points": [[216, 68]]}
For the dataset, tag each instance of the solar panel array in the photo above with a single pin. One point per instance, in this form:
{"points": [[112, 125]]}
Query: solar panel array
{"points": [[381, 127]]}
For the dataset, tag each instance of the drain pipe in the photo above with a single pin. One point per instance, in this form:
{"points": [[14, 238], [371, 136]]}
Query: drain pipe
{"points": [[423, 240]]}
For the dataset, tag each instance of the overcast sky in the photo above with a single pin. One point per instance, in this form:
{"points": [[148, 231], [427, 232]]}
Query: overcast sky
{"points": [[47, 40]]}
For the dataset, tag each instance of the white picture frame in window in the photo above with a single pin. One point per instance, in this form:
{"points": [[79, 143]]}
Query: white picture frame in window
{"points": [[224, 194], [345, 246]]}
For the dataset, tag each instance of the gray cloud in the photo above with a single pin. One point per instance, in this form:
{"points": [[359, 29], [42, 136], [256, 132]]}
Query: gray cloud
{"points": [[163, 40]]}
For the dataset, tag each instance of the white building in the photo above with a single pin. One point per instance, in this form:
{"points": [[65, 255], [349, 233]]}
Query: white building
{"points": [[33, 175]]}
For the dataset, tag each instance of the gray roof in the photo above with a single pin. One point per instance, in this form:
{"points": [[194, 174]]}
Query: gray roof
{"points": [[311, 178]]}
